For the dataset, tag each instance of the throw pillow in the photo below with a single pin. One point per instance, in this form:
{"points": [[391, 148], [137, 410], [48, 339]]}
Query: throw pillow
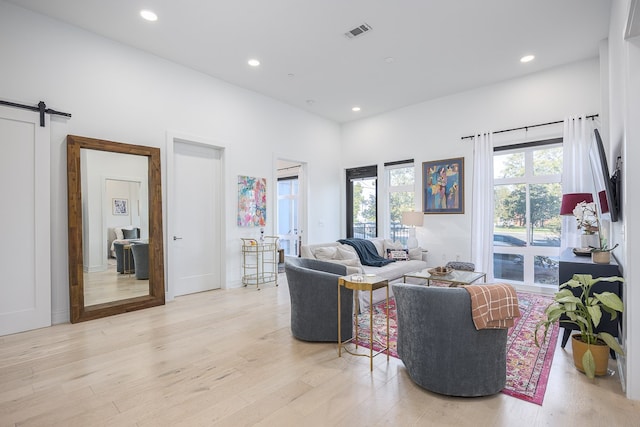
{"points": [[398, 254], [415, 253], [325, 253], [119, 233], [130, 234], [389, 244], [379, 244], [344, 253]]}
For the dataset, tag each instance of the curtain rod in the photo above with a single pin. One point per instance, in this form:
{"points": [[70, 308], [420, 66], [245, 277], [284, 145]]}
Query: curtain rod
{"points": [[41, 108], [592, 116]]}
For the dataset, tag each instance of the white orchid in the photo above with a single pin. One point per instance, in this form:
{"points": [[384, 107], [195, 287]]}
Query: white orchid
{"points": [[587, 217]]}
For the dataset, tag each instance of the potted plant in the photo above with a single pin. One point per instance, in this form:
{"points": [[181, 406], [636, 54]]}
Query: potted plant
{"points": [[585, 311], [602, 255], [587, 221]]}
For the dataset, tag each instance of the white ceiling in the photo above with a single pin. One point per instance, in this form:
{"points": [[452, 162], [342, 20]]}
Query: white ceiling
{"points": [[439, 47]]}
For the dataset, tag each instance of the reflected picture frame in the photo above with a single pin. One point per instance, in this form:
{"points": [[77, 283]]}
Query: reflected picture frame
{"points": [[120, 206], [443, 186]]}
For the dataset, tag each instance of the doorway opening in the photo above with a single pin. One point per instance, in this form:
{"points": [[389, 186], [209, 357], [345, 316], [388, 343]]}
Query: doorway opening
{"points": [[290, 206]]}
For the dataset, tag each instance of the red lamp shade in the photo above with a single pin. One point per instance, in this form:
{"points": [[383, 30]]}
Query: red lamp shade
{"points": [[604, 206], [570, 200]]}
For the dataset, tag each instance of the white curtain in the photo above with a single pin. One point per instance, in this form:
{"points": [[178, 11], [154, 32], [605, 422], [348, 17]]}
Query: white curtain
{"points": [[482, 191], [576, 171]]}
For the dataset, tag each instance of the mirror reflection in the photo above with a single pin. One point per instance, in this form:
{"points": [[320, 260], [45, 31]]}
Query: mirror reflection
{"points": [[115, 210], [115, 227]]}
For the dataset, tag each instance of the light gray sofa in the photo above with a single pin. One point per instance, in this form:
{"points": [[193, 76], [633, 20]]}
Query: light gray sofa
{"points": [[440, 346], [313, 289], [345, 255]]}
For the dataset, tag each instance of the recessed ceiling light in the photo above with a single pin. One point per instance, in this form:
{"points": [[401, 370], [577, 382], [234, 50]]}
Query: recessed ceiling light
{"points": [[356, 109], [310, 101], [148, 15], [253, 62], [389, 59], [527, 58]]}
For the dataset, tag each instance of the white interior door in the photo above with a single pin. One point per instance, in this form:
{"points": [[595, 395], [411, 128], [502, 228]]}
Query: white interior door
{"points": [[195, 230], [25, 288]]}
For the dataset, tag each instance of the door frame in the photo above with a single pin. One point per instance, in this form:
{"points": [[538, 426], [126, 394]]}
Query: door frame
{"points": [[303, 191], [171, 139]]}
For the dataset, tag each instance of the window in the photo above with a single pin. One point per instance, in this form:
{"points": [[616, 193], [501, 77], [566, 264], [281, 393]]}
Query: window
{"points": [[527, 225], [400, 179], [362, 195]]}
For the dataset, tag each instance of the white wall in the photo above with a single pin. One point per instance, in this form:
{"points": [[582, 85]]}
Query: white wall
{"points": [[121, 94], [433, 130], [623, 98]]}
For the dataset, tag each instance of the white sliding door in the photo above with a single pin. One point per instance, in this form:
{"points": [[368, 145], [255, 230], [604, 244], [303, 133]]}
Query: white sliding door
{"points": [[25, 265]]}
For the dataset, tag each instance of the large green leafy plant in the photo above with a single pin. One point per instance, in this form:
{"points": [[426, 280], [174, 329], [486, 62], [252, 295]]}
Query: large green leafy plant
{"points": [[585, 311]]}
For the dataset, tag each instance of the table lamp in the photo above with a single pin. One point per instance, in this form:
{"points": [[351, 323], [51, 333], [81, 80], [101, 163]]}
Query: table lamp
{"points": [[413, 220]]}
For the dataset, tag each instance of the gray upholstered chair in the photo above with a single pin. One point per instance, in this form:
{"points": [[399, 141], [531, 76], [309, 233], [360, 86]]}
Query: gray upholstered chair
{"points": [[313, 289], [440, 346], [141, 258]]}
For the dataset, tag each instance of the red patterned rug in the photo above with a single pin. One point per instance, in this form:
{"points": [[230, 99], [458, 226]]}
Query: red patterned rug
{"points": [[528, 366]]}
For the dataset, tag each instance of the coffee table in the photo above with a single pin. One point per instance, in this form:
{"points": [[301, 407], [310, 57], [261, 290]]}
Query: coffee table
{"points": [[455, 278]]}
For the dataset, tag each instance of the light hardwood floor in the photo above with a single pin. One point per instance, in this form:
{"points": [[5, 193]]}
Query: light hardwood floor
{"points": [[109, 285], [228, 358]]}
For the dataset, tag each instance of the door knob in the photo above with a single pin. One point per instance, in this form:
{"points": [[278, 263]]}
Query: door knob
{"points": [[177, 238]]}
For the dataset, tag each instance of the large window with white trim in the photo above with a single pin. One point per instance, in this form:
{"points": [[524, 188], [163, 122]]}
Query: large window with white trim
{"points": [[527, 225], [400, 180]]}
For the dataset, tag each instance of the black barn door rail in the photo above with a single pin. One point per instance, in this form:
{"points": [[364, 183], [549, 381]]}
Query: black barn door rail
{"points": [[40, 108]]}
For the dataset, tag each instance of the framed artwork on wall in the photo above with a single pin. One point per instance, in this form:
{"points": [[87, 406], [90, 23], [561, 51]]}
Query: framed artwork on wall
{"points": [[120, 206], [252, 201], [443, 186]]}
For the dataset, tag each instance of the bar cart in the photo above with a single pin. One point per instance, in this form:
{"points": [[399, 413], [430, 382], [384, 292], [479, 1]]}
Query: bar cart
{"points": [[259, 261]]}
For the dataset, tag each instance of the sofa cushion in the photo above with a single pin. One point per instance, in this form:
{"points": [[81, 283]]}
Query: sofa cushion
{"points": [[396, 269], [325, 253]]}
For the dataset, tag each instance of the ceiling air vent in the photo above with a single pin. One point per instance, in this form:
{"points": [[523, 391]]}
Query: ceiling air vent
{"points": [[358, 31]]}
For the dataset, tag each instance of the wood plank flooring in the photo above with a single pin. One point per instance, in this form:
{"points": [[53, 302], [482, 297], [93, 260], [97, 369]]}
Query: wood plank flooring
{"points": [[109, 285], [227, 358]]}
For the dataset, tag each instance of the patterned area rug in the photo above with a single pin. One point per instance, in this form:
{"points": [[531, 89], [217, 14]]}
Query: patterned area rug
{"points": [[528, 366]]}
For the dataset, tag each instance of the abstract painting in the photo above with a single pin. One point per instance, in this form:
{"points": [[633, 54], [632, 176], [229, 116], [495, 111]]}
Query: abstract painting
{"points": [[443, 186], [252, 201]]}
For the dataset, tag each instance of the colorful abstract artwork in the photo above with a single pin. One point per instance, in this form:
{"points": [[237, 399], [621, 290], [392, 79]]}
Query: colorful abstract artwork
{"points": [[252, 201], [443, 186]]}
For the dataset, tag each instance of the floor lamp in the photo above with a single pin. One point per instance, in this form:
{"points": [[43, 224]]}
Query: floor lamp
{"points": [[412, 220]]}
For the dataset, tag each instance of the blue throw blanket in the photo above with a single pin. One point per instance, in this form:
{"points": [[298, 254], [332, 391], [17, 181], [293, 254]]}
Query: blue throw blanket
{"points": [[367, 252]]}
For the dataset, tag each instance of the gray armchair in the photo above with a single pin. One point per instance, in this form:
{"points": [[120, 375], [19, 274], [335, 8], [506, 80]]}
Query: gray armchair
{"points": [[141, 257], [313, 289], [441, 348]]}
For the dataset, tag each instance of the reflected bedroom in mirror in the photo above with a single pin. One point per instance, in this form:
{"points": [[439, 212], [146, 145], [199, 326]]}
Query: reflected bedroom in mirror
{"points": [[115, 228]]}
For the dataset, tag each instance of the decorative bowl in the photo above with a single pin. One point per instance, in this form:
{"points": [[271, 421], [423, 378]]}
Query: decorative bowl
{"points": [[440, 271]]}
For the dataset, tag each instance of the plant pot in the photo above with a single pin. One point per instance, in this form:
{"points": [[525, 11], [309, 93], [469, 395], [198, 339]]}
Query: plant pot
{"points": [[601, 257], [590, 240], [600, 354]]}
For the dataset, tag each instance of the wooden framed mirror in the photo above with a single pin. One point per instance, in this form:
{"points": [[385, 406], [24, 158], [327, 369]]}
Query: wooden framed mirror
{"points": [[113, 187]]}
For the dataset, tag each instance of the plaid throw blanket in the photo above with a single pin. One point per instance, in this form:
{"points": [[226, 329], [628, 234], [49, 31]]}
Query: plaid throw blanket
{"points": [[493, 306]]}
